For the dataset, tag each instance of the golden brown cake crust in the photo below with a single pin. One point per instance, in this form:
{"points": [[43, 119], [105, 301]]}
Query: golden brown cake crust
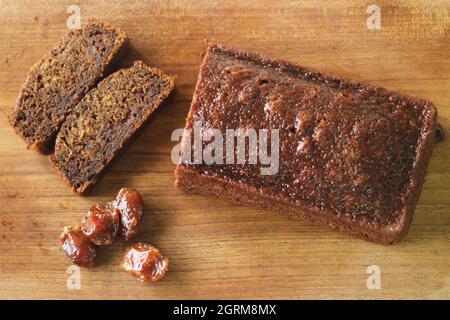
{"points": [[367, 153]]}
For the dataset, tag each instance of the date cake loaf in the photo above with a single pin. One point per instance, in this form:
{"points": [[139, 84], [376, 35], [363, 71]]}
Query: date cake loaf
{"points": [[104, 122], [351, 156], [60, 79]]}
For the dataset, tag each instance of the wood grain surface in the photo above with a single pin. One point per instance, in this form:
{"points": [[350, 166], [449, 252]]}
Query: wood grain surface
{"points": [[217, 249]]}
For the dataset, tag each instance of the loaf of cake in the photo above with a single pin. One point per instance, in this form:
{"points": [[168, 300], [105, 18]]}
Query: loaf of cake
{"points": [[352, 157], [105, 120], [60, 79]]}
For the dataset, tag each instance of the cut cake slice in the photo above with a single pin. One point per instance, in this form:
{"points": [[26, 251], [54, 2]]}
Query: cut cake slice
{"points": [[105, 120], [60, 79]]}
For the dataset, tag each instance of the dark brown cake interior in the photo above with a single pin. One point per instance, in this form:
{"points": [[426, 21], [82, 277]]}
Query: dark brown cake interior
{"points": [[106, 118], [60, 79]]}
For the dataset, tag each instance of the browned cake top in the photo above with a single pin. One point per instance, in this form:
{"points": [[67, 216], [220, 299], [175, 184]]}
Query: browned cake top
{"points": [[107, 117], [346, 147], [58, 81]]}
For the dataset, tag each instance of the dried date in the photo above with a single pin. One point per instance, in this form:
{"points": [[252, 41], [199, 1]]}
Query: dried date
{"points": [[101, 224], [144, 262], [78, 248], [130, 205]]}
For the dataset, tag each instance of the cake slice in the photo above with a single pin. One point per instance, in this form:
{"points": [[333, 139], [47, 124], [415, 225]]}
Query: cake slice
{"points": [[105, 120], [60, 79], [351, 156]]}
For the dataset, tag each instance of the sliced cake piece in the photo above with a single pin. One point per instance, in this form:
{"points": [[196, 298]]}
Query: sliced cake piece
{"points": [[105, 120], [351, 156], [60, 79]]}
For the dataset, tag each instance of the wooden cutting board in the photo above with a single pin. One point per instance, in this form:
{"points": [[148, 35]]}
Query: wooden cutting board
{"points": [[218, 249]]}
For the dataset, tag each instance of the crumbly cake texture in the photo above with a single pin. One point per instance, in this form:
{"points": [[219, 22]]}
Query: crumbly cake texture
{"points": [[105, 120], [60, 79], [353, 157]]}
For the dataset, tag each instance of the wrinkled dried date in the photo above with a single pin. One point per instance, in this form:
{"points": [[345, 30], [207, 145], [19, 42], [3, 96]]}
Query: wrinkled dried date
{"points": [[78, 247], [101, 224], [144, 262], [130, 205]]}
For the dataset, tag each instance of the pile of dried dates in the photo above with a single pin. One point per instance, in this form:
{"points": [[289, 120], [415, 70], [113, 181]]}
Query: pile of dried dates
{"points": [[101, 226]]}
